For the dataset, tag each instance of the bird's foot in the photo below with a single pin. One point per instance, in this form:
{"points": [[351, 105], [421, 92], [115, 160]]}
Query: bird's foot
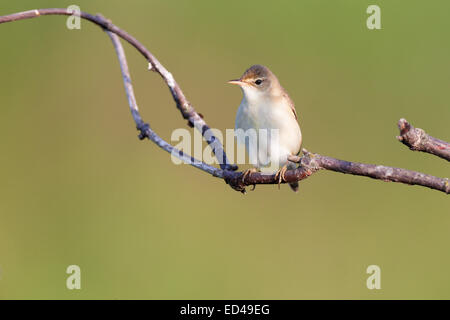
{"points": [[246, 173], [279, 175]]}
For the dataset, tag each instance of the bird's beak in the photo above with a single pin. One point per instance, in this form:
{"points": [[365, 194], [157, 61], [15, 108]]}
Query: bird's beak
{"points": [[237, 81]]}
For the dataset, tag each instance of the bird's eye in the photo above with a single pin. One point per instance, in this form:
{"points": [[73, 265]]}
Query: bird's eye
{"points": [[258, 82]]}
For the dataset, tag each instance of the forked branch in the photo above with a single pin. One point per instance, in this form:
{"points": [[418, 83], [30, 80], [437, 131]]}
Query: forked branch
{"points": [[309, 163]]}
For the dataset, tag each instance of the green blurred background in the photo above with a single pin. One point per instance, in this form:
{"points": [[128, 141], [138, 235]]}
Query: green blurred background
{"points": [[78, 187]]}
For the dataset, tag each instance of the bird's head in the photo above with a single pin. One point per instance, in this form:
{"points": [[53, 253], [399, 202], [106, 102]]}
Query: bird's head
{"points": [[257, 82]]}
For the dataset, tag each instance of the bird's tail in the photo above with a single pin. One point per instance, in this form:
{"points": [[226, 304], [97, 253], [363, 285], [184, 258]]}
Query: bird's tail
{"points": [[293, 185]]}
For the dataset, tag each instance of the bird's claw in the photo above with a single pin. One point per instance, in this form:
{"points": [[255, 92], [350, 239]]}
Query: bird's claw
{"points": [[279, 175], [246, 173]]}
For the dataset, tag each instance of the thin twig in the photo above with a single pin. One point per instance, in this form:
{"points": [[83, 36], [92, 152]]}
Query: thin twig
{"points": [[309, 163], [418, 140]]}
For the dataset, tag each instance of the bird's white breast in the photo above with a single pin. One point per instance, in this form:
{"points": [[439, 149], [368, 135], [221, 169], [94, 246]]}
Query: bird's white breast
{"points": [[267, 114]]}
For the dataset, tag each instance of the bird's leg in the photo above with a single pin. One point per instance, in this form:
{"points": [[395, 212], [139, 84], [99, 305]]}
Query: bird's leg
{"points": [[279, 175]]}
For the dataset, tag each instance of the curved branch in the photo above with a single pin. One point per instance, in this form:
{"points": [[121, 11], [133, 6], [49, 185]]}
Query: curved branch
{"points": [[186, 109], [309, 163], [146, 131], [418, 140]]}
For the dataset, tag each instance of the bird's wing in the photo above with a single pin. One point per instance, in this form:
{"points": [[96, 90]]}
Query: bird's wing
{"points": [[291, 104]]}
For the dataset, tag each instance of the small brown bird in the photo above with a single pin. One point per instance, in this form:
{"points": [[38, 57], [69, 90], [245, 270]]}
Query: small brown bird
{"points": [[266, 105]]}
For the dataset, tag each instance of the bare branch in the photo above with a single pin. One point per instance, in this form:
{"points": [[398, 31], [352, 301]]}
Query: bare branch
{"points": [[313, 162], [146, 131], [418, 140], [308, 164], [182, 103]]}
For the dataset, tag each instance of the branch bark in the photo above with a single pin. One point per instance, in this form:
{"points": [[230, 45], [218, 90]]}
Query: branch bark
{"points": [[309, 163], [418, 140]]}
